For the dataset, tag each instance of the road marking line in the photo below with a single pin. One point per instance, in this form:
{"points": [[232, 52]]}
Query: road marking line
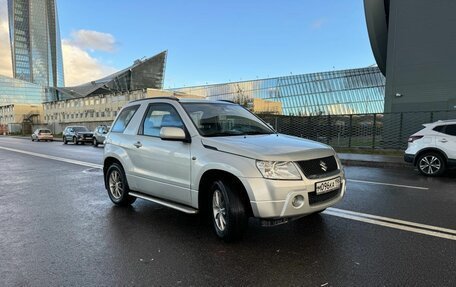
{"points": [[394, 223], [357, 216], [73, 161], [388, 184]]}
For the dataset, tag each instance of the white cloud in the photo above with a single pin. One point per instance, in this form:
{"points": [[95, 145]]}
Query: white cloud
{"points": [[80, 67], [5, 50], [93, 40]]}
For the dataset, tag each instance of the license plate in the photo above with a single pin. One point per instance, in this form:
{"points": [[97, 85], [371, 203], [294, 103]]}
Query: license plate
{"points": [[327, 186]]}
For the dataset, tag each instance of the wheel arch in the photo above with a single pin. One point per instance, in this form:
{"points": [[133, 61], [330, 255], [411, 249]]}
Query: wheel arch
{"points": [[108, 161], [427, 150], [209, 176]]}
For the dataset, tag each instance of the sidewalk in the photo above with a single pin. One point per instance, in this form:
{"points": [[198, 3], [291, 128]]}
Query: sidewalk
{"points": [[373, 160]]}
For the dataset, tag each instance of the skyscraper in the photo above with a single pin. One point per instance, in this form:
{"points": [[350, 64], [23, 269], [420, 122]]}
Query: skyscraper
{"points": [[35, 42]]}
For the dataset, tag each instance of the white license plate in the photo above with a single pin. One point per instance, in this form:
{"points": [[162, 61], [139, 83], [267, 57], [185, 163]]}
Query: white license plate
{"points": [[327, 186]]}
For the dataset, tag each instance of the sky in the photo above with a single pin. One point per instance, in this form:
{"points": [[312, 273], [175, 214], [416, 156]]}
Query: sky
{"points": [[207, 41]]}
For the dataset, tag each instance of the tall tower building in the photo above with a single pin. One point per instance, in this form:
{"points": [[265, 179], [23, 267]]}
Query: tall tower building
{"points": [[36, 48]]}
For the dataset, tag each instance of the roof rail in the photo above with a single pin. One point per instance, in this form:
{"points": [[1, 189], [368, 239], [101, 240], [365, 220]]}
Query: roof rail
{"points": [[227, 101], [157, 98]]}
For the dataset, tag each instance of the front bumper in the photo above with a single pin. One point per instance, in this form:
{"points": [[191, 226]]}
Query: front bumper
{"points": [[85, 139], [273, 198], [409, 158]]}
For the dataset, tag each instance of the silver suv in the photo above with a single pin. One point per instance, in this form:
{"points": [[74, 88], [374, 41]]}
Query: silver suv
{"points": [[218, 159]]}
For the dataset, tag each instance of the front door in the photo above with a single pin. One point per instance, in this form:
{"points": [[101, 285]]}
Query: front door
{"points": [[162, 167]]}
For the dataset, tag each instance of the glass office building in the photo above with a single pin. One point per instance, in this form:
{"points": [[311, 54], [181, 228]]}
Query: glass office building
{"points": [[18, 91], [35, 42], [354, 91]]}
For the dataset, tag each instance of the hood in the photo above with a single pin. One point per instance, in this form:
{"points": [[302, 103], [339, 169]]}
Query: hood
{"points": [[270, 147]]}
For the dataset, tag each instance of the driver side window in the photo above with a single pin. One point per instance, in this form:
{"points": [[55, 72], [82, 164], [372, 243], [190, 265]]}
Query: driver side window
{"points": [[158, 116]]}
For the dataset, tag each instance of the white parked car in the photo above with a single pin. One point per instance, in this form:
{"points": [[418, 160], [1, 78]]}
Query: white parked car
{"points": [[219, 159], [433, 149], [42, 135]]}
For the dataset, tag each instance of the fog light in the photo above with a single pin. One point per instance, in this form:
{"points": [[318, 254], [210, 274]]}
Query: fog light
{"points": [[297, 201]]}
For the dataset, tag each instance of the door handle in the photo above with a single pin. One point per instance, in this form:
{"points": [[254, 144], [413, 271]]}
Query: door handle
{"points": [[443, 141], [138, 144]]}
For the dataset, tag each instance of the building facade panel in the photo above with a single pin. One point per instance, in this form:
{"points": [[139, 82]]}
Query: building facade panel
{"points": [[353, 91], [35, 42], [18, 91]]}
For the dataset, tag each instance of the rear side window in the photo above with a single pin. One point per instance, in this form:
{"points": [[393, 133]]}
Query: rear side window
{"points": [[450, 130], [124, 118], [439, 129]]}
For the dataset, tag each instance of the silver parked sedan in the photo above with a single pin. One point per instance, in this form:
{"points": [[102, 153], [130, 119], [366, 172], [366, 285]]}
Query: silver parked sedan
{"points": [[42, 135]]}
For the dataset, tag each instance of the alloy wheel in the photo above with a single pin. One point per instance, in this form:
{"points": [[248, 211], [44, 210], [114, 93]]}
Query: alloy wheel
{"points": [[219, 210], [430, 164], [115, 184]]}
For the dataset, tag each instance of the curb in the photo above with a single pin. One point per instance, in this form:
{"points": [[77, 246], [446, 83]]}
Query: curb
{"points": [[349, 162]]}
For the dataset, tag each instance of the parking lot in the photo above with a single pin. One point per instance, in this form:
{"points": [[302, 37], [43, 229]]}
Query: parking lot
{"points": [[58, 227]]}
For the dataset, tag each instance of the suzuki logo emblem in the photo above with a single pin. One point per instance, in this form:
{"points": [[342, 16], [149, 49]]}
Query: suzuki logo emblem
{"points": [[323, 165]]}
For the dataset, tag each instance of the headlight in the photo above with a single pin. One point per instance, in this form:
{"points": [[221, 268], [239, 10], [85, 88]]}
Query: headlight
{"points": [[278, 169]]}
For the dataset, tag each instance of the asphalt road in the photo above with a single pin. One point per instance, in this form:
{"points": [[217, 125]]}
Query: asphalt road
{"points": [[58, 227]]}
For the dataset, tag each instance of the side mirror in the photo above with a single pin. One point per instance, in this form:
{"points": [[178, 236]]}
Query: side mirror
{"points": [[172, 134]]}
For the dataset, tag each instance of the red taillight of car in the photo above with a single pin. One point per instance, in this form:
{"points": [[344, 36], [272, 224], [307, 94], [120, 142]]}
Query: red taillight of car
{"points": [[414, 138]]}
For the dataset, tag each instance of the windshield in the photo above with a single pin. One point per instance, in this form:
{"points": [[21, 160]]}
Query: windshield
{"points": [[223, 119], [80, 129]]}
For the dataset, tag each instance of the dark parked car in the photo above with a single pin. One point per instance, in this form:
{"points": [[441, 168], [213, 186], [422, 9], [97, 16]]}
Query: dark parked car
{"points": [[99, 134], [77, 134]]}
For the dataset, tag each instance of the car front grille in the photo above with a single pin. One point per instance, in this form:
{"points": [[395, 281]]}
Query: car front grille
{"points": [[321, 198], [318, 167]]}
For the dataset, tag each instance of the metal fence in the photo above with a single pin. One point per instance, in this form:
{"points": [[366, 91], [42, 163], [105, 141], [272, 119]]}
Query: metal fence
{"points": [[376, 131]]}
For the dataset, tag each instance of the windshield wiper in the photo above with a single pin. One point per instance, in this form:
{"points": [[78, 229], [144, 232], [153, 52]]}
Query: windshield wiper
{"points": [[257, 133]]}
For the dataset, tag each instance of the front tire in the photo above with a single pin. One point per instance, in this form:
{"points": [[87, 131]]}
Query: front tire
{"points": [[117, 186], [431, 164], [65, 140], [75, 140], [95, 142], [227, 211]]}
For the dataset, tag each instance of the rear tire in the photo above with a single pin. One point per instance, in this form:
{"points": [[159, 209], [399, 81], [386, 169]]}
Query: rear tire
{"points": [[431, 164], [117, 186], [227, 211], [33, 139]]}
